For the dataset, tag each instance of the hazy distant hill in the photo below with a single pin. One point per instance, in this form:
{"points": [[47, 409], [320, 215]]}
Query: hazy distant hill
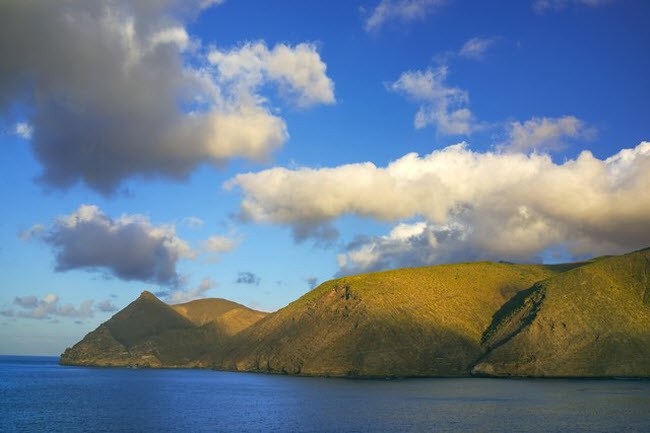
{"points": [[150, 333], [577, 319]]}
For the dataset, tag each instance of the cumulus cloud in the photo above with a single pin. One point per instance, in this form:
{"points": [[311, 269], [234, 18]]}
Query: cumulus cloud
{"points": [[298, 70], [128, 247], [541, 6], [248, 278], [468, 204], [475, 48], [544, 133], [423, 243], [442, 106], [118, 89], [49, 306], [403, 11], [187, 295]]}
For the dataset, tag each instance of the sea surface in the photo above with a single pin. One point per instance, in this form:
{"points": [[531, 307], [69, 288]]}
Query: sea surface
{"points": [[38, 395]]}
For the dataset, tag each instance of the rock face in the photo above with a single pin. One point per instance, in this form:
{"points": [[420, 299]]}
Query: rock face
{"points": [[491, 319], [150, 333]]}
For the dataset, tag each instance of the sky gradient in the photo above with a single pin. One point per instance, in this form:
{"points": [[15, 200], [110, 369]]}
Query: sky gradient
{"points": [[251, 150]]}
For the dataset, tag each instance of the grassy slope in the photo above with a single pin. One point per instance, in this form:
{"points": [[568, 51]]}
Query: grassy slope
{"points": [[408, 322], [229, 317], [590, 321], [580, 319]]}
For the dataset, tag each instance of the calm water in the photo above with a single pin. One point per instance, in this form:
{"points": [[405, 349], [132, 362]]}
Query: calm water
{"points": [[37, 395]]}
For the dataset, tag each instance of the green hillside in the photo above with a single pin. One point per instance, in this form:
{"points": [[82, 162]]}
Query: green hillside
{"points": [[229, 317], [590, 321], [583, 319], [408, 322]]}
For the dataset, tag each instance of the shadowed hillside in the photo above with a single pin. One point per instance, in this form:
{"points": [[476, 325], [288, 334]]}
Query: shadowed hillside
{"points": [[150, 333]]}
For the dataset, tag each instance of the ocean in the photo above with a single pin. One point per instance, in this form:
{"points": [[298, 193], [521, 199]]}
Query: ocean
{"points": [[38, 395]]}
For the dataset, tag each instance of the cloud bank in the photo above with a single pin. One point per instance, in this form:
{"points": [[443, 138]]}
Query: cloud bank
{"points": [[49, 306], [466, 205], [116, 89], [129, 247]]}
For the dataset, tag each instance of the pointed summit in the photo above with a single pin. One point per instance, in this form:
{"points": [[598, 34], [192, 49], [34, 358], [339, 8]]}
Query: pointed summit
{"points": [[145, 333], [147, 295], [150, 333]]}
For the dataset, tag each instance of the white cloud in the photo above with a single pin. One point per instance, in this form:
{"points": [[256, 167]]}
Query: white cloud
{"points": [[129, 247], [476, 48], [541, 6], [403, 11], [140, 98], [199, 292], [33, 232], [441, 106], [299, 71], [49, 306], [24, 130], [219, 244], [544, 133], [193, 222], [470, 204]]}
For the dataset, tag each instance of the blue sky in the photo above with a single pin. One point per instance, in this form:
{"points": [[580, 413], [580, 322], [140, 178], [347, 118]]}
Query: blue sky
{"points": [[252, 149]]}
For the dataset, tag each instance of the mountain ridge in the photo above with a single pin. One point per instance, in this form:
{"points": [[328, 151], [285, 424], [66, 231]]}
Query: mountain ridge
{"points": [[588, 319], [150, 333]]}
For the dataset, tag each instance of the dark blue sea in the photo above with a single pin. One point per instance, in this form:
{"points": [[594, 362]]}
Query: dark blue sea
{"points": [[38, 395]]}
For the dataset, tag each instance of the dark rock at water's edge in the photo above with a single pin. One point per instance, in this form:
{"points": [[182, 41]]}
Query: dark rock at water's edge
{"points": [[586, 319]]}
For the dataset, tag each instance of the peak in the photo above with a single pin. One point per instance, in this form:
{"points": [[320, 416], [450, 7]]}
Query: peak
{"points": [[147, 295]]}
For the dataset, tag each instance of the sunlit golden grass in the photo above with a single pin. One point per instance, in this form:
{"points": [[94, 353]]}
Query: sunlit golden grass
{"points": [[577, 319], [594, 320], [416, 321]]}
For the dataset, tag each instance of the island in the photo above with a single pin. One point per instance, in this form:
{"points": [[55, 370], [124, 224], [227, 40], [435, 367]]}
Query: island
{"points": [[498, 319]]}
